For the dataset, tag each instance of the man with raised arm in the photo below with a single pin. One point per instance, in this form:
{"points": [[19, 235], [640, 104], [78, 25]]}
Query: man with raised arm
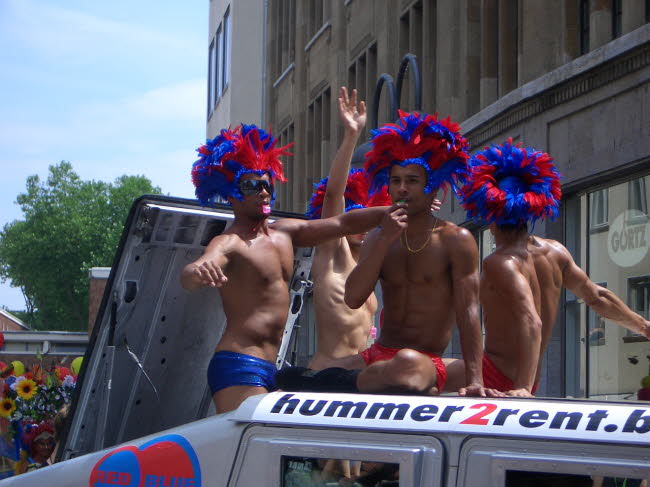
{"points": [[340, 330], [252, 261], [427, 267], [521, 281]]}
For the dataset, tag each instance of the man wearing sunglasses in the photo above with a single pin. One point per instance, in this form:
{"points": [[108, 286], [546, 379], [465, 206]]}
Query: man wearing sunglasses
{"points": [[251, 262]]}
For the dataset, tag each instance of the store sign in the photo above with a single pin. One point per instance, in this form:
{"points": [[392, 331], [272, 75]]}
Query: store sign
{"points": [[629, 238]]}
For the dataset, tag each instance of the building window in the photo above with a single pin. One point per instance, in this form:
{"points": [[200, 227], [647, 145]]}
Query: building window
{"points": [[489, 52], [284, 29], [647, 10], [584, 26], [411, 41], [212, 67], [617, 18], [318, 140], [219, 62], [617, 253], [219, 76], [225, 57], [508, 49], [362, 76], [316, 16], [638, 199], [598, 203], [284, 191]]}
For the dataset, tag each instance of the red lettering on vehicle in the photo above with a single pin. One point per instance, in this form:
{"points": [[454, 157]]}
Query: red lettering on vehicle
{"points": [[478, 417]]}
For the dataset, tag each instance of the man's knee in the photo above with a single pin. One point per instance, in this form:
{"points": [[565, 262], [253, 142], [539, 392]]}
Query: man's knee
{"points": [[411, 371]]}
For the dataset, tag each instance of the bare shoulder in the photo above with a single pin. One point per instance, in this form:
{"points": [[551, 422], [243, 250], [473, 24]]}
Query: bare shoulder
{"points": [[500, 267], [554, 250], [457, 238], [222, 246], [287, 224], [225, 242]]}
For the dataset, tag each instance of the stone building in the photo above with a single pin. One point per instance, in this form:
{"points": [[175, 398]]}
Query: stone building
{"points": [[570, 77]]}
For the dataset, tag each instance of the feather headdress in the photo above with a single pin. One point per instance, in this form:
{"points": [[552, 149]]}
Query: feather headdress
{"points": [[511, 185], [224, 159], [356, 195], [436, 145]]}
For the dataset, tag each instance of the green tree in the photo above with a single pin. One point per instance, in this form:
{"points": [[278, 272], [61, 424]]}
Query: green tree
{"points": [[69, 226]]}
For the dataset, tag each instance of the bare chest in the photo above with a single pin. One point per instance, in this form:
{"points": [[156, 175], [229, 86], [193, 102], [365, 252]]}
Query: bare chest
{"points": [[428, 265], [264, 259]]}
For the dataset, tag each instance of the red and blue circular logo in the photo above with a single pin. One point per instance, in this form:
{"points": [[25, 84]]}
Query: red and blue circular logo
{"points": [[168, 461]]}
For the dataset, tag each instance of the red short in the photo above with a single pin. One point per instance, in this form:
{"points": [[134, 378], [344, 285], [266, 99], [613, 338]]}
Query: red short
{"points": [[494, 379], [378, 352]]}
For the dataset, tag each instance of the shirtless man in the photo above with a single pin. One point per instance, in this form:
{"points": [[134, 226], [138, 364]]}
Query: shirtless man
{"points": [[522, 279], [251, 262], [340, 330], [428, 269]]}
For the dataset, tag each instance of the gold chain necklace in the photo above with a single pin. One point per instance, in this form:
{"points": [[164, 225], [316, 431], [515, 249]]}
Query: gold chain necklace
{"points": [[406, 239]]}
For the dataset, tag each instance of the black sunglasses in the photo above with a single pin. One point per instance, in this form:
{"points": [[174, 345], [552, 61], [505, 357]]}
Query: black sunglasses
{"points": [[250, 187]]}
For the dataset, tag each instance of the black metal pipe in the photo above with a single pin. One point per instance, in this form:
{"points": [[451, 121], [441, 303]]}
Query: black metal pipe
{"points": [[416, 78], [384, 79]]}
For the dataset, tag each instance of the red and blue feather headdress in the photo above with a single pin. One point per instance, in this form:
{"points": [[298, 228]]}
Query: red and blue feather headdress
{"points": [[436, 145], [511, 185], [224, 159], [356, 195]]}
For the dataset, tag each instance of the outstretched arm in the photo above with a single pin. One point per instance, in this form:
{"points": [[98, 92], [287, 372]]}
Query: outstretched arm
{"points": [[353, 119], [207, 270], [308, 233], [600, 299], [464, 274], [363, 278], [512, 289]]}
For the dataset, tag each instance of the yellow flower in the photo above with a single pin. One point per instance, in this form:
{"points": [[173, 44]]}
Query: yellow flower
{"points": [[26, 388], [7, 407]]}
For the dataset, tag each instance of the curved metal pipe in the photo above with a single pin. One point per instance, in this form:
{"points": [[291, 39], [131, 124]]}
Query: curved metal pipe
{"points": [[417, 80], [384, 79]]}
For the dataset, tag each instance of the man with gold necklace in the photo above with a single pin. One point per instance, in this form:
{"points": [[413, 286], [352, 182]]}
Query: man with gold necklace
{"points": [[427, 267]]}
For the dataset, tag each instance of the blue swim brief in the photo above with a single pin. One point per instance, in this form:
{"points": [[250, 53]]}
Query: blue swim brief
{"points": [[228, 369]]}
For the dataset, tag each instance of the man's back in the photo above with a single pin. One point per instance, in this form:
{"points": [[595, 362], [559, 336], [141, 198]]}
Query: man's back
{"points": [[512, 295], [550, 260]]}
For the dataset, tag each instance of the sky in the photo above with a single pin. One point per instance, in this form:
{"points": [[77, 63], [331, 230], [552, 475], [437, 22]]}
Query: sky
{"points": [[114, 88]]}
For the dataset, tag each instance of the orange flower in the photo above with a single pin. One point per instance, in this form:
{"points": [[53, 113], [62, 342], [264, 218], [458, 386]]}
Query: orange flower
{"points": [[26, 388]]}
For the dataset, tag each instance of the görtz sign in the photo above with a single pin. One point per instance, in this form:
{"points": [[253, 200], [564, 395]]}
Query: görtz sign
{"points": [[628, 239]]}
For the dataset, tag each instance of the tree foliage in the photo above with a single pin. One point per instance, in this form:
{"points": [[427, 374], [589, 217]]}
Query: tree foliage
{"points": [[69, 226]]}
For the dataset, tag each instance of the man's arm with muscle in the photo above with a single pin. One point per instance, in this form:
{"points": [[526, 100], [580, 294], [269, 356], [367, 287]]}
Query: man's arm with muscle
{"points": [[308, 233], [207, 270], [600, 299], [353, 121], [363, 278], [513, 290], [464, 275]]}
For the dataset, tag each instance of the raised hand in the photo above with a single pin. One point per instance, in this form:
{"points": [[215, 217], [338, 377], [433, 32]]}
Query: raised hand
{"points": [[352, 116]]}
